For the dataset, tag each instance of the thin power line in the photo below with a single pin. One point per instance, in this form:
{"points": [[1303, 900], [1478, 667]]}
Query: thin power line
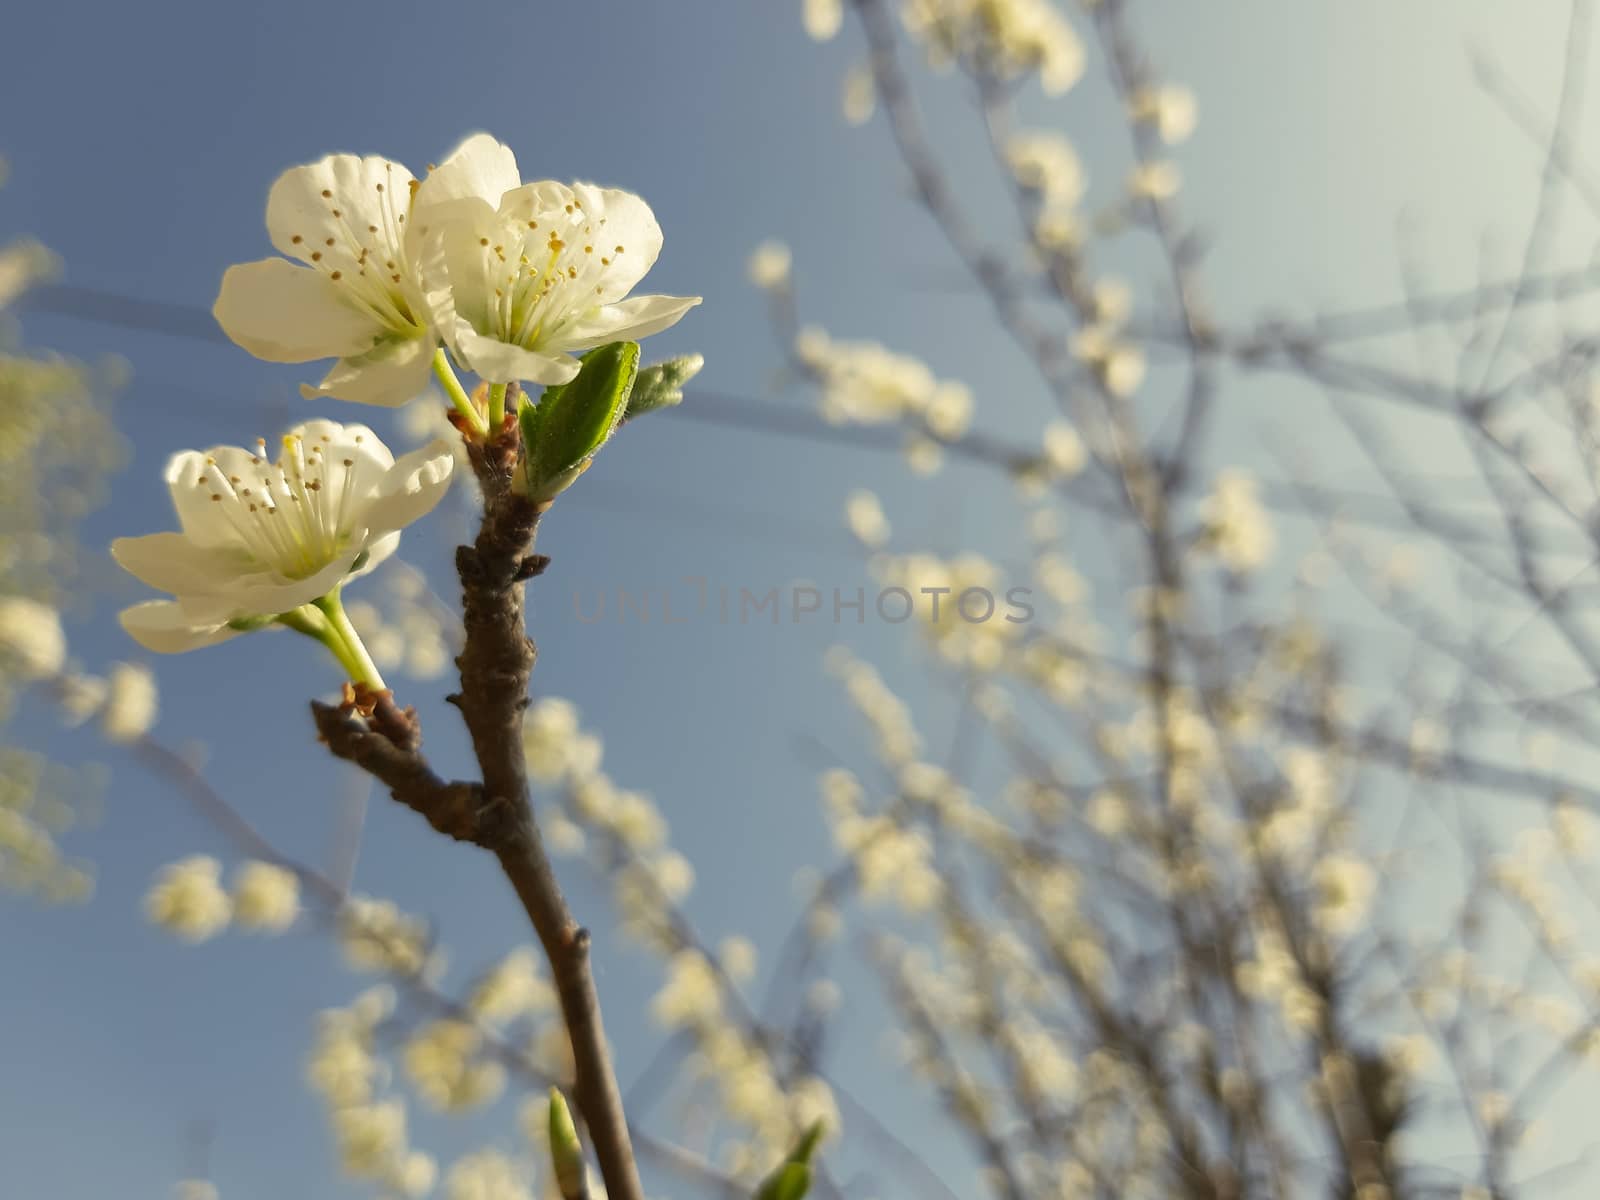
{"points": [[712, 408], [126, 312], [195, 324]]}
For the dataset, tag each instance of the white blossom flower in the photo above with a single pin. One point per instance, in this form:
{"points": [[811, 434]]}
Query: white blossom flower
{"points": [[1155, 180], [864, 514], [415, 1175], [131, 704], [22, 264], [519, 275], [769, 265], [674, 875], [443, 1060], [487, 1175], [80, 697], [949, 411], [1047, 164], [1344, 888], [261, 538], [1064, 449], [1171, 109], [1113, 301], [342, 1066], [690, 995], [31, 639], [512, 989], [266, 897], [188, 899], [1237, 528], [738, 957], [822, 18], [376, 936], [1011, 37], [372, 1137], [1122, 370], [357, 298], [859, 96]]}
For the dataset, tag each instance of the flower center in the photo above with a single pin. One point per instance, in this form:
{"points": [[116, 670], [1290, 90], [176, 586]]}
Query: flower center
{"points": [[542, 269], [285, 515]]}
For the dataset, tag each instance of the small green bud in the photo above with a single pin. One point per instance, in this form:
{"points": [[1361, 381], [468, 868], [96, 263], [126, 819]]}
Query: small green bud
{"points": [[250, 624], [792, 1179], [660, 385], [565, 429], [809, 1141], [566, 1151]]}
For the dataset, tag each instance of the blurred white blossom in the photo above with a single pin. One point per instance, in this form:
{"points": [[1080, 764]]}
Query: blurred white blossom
{"points": [[822, 18], [769, 266], [31, 637], [488, 1175], [266, 897], [132, 702], [1236, 526], [1171, 109], [864, 515], [188, 899], [1011, 37]]}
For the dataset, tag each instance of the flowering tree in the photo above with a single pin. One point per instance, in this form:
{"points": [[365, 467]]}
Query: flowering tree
{"points": [[1227, 920]]}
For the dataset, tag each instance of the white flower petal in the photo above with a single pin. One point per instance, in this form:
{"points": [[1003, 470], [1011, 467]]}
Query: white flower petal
{"points": [[480, 166], [268, 593], [455, 276], [501, 362], [288, 314], [378, 550], [410, 491], [344, 217], [628, 321], [338, 205], [628, 223], [173, 563], [200, 494], [162, 627], [350, 458], [397, 371]]}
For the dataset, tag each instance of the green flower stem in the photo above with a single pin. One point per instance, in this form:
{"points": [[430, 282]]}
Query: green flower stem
{"points": [[497, 405], [310, 621], [458, 395], [362, 668]]}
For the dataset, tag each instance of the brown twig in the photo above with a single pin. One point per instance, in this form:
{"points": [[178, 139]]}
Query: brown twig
{"points": [[495, 665]]}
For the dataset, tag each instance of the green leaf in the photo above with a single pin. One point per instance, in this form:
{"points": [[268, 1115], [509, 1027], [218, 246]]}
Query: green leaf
{"points": [[529, 414], [660, 385], [563, 432]]}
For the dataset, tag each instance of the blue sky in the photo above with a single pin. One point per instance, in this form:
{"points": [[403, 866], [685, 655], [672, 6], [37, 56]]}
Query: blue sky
{"points": [[141, 143]]}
